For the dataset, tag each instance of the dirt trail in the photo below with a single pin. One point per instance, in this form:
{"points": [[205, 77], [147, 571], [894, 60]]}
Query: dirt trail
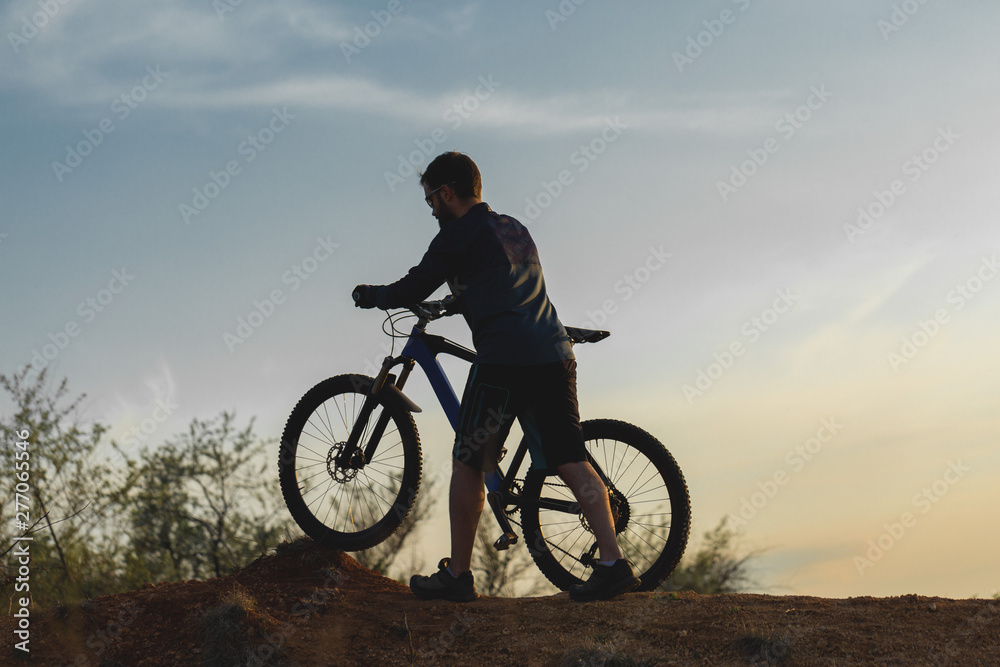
{"points": [[306, 605]]}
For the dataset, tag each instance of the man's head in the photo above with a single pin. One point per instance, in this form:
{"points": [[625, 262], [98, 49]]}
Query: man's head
{"points": [[452, 185]]}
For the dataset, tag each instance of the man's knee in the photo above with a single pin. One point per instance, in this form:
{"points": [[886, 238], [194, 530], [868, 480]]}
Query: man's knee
{"points": [[461, 464], [466, 473]]}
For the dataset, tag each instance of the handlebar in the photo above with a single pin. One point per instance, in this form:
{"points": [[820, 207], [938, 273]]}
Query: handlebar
{"points": [[433, 310], [427, 310]]}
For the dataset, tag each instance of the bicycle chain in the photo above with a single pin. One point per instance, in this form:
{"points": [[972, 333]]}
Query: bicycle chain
{"points": [[515, 486]]}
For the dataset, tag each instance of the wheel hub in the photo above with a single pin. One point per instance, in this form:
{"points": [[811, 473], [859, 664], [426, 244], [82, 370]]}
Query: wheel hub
{"points": [[620, 511], [335, 464]]}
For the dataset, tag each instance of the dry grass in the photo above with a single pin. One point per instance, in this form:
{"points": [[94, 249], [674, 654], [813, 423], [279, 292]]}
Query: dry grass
{"points": [[764, 647], [603, 654], [233, 633]]}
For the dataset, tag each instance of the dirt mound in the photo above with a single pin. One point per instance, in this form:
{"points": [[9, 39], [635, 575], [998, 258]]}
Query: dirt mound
{"points": [[305, 605]]}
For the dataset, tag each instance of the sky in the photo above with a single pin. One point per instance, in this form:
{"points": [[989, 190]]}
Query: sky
{"points": [[782, 211]]}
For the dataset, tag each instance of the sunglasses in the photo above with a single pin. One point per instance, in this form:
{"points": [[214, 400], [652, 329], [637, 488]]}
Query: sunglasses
{"points": [[432, 192]]}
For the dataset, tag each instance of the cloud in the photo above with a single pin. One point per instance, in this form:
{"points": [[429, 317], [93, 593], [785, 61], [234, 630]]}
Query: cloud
{"points": [[134, 417], [90, 53]]}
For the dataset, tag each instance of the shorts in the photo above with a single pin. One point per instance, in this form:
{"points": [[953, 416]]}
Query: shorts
{"points": [[542, 398]]}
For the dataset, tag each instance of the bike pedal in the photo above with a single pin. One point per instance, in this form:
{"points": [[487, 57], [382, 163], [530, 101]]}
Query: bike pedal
{"points": [[504, 541]]}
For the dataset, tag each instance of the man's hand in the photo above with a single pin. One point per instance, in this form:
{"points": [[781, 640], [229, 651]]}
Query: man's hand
{"points": [[364, 296]]}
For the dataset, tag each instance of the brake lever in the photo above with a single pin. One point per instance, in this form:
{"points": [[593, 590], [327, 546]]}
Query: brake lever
{"points": [[433, 310]]}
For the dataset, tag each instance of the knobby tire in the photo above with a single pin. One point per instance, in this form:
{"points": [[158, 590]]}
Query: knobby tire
{"points": [[337, 506], [649, 498]]}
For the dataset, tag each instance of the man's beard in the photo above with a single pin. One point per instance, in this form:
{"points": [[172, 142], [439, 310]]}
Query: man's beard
{"points": [[443, 217]]}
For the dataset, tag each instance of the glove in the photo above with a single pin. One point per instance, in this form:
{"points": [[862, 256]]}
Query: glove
{"points": [[453, 305], [364, 296]]}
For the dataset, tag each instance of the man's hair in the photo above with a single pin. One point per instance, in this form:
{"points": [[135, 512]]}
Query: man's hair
{"points": [[454, 169]]}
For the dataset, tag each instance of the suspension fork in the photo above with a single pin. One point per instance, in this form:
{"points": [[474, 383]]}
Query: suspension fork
{"points": [[353, 455]]}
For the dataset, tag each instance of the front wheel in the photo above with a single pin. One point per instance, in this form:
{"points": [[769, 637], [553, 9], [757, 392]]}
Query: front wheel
{"points": [[649, 504], [339, 500]]}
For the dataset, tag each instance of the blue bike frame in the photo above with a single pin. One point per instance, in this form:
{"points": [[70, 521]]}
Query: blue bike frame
{"points": [[424, 348], [418, 349]]}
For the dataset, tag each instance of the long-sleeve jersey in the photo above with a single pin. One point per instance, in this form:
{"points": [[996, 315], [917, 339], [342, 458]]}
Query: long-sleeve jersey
{"points": [[490, 262]]}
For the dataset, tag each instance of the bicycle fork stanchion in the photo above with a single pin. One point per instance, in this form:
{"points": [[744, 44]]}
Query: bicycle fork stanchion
{"points": [[388, 381], [385, 381], [348, 458]]}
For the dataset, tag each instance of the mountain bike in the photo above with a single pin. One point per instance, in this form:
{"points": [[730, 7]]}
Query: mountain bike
{"points": [[350, 465]]}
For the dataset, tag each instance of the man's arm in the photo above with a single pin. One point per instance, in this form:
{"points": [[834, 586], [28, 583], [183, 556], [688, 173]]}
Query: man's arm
{"points": [[439, 263]]}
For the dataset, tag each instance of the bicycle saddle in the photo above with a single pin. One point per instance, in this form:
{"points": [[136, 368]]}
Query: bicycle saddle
{"points": [[577, 335]]}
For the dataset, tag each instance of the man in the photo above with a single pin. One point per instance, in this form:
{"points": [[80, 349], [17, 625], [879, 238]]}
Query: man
{"points": [[524, 368]]}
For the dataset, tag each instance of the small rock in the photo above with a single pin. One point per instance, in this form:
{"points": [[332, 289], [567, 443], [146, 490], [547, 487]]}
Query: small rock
{"points": [[932, 606], [682, 633]]}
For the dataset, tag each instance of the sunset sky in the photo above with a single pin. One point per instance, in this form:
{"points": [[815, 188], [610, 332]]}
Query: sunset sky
{"points": [[785, 213]]}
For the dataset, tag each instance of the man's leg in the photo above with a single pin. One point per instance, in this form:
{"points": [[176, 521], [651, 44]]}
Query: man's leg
{"points": [[592, 495], [613, 575], [465, 503], [453, 580]]}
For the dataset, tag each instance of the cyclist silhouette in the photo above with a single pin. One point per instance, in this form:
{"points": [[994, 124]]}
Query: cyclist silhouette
{"points": [[524, 368]]}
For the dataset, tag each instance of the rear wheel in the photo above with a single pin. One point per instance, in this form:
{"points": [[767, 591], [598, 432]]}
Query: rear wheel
{"points": [[338, 500], [649, 503]]}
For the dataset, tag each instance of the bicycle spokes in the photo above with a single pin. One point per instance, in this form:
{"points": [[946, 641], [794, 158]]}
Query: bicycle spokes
{"points": [[647, 498], [336, 493]]}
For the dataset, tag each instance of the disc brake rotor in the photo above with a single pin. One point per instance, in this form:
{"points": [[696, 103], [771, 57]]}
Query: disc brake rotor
{"points": [[337, 472]]}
